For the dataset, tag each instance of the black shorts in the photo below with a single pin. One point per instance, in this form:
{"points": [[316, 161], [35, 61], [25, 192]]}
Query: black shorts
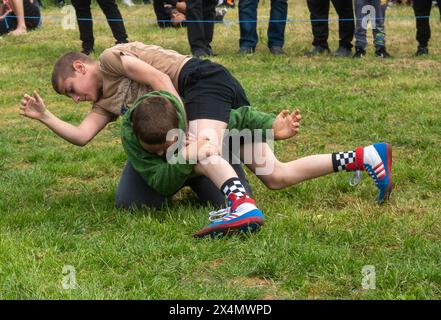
{"points": [[209, 91]]}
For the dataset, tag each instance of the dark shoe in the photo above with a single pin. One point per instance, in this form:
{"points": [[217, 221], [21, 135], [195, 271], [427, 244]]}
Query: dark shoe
{"points": [[422, 51], [342, 52], [199, 53], [359, 53], [316, 50], [87, 51], [246, 50], [276, 50], [382, 53], [121, 41], [210, 52]]}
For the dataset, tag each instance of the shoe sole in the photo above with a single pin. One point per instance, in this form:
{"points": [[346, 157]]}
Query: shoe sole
{"points": [[243, 226], [389, 173], [389, 167]]}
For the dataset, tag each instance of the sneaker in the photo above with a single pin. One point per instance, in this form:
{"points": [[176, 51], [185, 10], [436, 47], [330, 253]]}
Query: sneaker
{"points": [[246, 50], [128, 3], [276, 50], [199, 53], [242, 217], [316, 50], [359, 53], [422, 51], [376, 160], [210, 52], [342, 52], [382, 53]]}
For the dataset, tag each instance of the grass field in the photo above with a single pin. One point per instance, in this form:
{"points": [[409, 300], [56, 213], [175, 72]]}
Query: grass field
{"points": [[57, 200]]}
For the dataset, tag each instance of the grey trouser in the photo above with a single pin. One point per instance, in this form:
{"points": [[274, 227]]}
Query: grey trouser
{"points": [[375, 10]]}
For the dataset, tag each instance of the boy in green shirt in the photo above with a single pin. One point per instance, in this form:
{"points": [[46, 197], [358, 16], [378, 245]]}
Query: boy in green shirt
{"points": [[152, 131]]}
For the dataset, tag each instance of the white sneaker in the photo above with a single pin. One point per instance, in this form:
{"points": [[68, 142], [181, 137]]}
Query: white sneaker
{"points": [[128, 3]]}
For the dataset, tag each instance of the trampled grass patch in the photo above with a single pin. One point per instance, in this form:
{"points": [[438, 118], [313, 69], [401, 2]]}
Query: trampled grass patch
{"points": [[57, 200]]}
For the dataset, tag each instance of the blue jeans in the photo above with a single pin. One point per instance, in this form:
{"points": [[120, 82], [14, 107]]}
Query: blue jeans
{"points": [[276, 29]]}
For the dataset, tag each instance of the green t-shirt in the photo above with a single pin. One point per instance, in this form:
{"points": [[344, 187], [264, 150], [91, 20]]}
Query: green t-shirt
{"points": [[167, 178]]}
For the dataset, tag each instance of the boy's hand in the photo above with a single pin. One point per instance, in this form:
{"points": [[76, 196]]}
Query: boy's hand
{"points": [[181, 6], [33, 107], [286, 125], [197, 150]]}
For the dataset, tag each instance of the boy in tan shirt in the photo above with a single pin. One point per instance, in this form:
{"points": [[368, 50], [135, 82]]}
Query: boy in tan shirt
{"points": [[125, 72]]}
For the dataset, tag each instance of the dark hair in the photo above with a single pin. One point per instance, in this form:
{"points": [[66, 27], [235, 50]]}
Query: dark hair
{"points": [[63, 68], [153, 118]]}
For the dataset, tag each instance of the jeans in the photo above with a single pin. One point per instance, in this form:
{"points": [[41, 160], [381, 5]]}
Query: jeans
{"points": [[248, 23], [134, 192], [377, 25]]}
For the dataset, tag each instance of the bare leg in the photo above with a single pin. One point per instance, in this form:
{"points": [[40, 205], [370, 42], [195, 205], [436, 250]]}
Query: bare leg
{"points": [[278, 175], [215, 168], [18, 9]]}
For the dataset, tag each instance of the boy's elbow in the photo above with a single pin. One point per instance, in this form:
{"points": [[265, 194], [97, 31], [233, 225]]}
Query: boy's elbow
{"points": [[82, 142]]}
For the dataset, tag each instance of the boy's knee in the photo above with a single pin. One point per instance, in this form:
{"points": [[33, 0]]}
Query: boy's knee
{"points": [[274, 180]]}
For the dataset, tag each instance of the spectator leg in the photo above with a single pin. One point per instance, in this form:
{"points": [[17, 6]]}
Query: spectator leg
{"points": [[346, 26], [319, 13], [276, 28], [115, 20], [248, 23], [85, 23]]}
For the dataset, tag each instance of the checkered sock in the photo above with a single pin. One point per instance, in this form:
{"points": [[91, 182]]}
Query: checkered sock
{"points": [[233, 190], [344, 161], [349, 161]]}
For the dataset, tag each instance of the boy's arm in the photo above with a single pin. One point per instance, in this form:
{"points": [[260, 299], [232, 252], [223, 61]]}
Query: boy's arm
{"points": [[250, 118], [285, 124], [142, 72], [34, 108]]}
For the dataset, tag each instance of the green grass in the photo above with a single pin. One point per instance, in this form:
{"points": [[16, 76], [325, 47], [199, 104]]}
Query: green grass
{"points": [[57, 200]]}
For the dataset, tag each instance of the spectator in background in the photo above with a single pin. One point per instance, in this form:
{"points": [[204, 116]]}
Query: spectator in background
{"points": [[85, 22], [377, 19], [170, 13], [201, 15], [19, 16], [248, 25], [319, 10], [422, 10]]}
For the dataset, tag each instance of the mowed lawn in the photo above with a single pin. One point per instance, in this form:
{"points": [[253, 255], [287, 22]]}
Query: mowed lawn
{"points": [[57, 200]]}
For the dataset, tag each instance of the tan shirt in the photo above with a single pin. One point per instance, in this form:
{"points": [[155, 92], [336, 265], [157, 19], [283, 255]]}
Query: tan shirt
{"points": [[118, 90]]}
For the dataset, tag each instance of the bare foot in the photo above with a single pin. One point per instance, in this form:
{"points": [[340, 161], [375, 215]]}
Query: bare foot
{"points": [[19, 31]]}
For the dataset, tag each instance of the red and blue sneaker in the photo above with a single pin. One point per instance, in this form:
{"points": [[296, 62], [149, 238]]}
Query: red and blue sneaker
{"points": [[376, 160], [242, 217]]}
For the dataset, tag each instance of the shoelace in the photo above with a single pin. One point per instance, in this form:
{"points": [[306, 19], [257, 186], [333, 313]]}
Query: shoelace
{"points": [[356, 178], [214, 216]]}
